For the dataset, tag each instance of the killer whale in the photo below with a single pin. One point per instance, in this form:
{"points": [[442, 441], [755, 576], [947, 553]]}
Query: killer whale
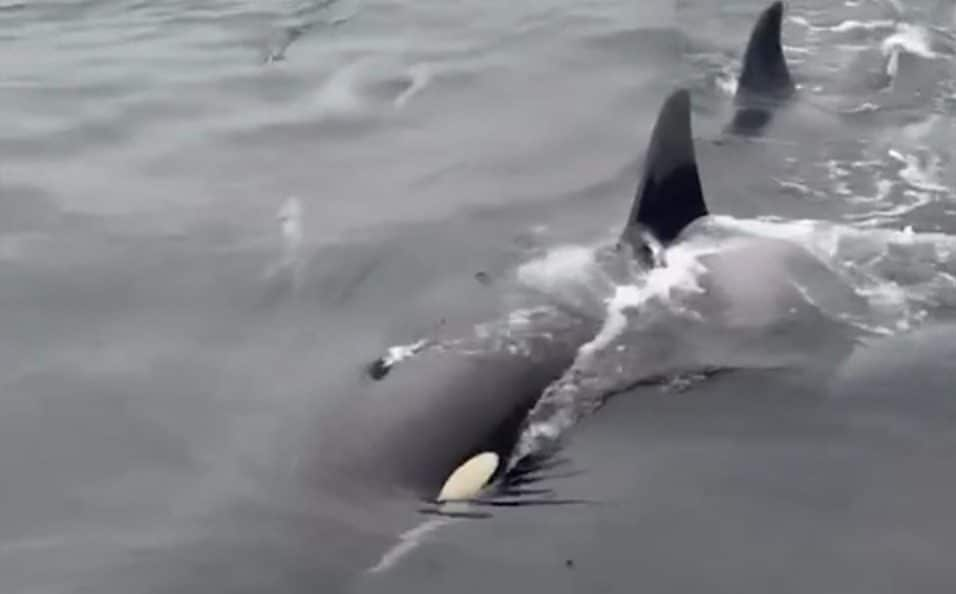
{"points": [[378, 447], [752, 282], [483, 397], [473, 397], [382, 445], [470, 397], [419, 419], [766, 88]]}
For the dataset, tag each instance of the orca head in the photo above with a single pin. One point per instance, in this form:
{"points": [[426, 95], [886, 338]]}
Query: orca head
{"points": [[669, 197], [765, 80]]}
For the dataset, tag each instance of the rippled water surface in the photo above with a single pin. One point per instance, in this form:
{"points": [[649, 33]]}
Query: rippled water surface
{"points": [[213, 213]]}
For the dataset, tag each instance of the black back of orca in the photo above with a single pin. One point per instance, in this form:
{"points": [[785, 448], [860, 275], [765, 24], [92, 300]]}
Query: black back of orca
{"points": [[765, 82]]}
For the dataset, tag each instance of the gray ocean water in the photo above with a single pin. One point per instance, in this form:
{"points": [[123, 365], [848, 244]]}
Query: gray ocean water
{"points": [[213, 211]]}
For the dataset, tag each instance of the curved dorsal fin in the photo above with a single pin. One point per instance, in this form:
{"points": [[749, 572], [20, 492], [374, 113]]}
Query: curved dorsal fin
{"points": [[669, 196], [765, 71]]}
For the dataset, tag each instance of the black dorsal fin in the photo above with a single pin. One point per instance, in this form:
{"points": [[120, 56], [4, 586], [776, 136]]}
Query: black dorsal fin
{"points": [[669, 196], [765, 72]]}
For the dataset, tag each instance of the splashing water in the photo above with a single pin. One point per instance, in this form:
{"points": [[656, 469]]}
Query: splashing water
{"points": [[584, 387]]}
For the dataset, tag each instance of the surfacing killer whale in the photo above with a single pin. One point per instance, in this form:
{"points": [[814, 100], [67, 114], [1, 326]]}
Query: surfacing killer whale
{"points": [[419, 420], [414, 422]]}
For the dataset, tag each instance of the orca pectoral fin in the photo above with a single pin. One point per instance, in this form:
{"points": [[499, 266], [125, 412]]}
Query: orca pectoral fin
{"points": [[470, 478]]}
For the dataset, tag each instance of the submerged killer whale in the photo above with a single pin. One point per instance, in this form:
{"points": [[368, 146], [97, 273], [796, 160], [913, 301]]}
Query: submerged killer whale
{"points": [[417, 421], [765, 87], [907, 379]]}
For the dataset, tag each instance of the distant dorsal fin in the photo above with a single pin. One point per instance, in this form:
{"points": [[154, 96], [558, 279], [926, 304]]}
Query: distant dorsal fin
{"points": [[765, 72], [669, 196]]}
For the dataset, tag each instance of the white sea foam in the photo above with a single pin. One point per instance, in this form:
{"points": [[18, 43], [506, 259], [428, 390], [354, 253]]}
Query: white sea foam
{"points": [[726, 82], [582, 388], [851, 25], [569, 275], [399, 353], [921, 176], [911, 38], [898, 271], [908, 38], [558, 267]]}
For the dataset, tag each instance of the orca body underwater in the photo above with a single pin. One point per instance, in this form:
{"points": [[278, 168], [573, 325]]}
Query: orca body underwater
{"points": [[416, 421], [907, 379], [386, 442], [766, 89]]}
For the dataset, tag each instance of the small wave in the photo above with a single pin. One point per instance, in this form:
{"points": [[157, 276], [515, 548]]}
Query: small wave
{"points": [[796, 50], [288, 269], [338, 96], [850, 26], [410, 540], [899, 271], [865, 107], [798, 187], [421, 76], [727, 81], [911, 38], [921, 176], [559, 266], [328, 13], [799, 20], [878, 189], [369, 85], [569, 275], [908, 39]]}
